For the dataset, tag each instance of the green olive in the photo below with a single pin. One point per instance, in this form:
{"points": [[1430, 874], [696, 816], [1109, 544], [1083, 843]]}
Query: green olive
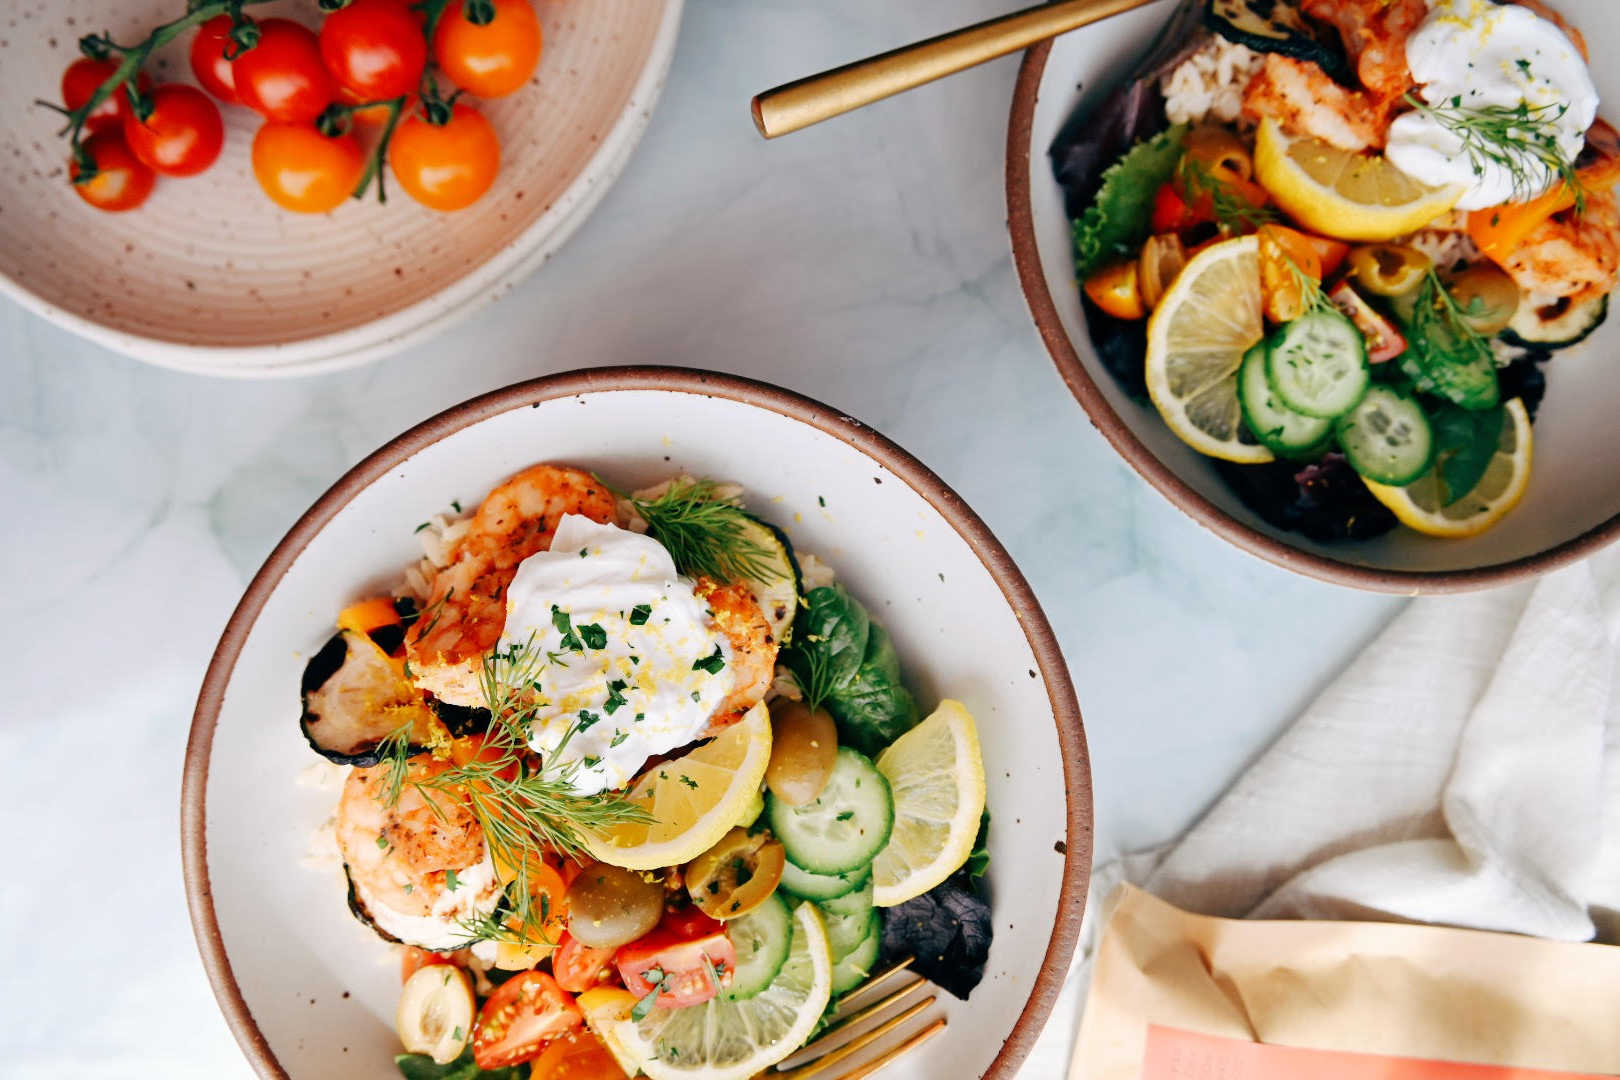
{"points": [[804, 748], [609, 906], [1390, 269], [1486, 298], [736, 875]]}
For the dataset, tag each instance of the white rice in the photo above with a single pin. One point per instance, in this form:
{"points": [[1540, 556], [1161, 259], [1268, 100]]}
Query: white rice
{"points": [[1209, 84]]}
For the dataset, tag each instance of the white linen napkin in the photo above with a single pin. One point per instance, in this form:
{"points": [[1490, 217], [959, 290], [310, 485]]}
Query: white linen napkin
{"points": [[1463, 770]]}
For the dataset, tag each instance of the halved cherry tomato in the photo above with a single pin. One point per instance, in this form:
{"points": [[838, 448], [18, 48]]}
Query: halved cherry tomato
{"points": [[208, 62], [1286, 256], [415, 959], [579, 1055], [580, 967], [1172, 213], [80, 82], [679, 960], [1115, 290], [493, 59], [122, 180], [183, 133], [305, 171], [548, 904], [1384, 342], [283, 76], [445, 166], [524, 1014], [375, 48]]}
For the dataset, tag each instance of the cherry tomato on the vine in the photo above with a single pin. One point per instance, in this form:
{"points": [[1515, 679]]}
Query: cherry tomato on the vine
{"points": [[183, 133], [303, 170], [375, 48], [283, 76], [448, 166], [208, 62], [495, 58], [372, 116], [122, 181], [79, 84]]}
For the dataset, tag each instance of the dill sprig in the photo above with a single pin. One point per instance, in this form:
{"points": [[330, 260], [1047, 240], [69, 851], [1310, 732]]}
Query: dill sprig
{"points": [[707, 534], [1517, 138], [1469, 342], [1233, 213]]}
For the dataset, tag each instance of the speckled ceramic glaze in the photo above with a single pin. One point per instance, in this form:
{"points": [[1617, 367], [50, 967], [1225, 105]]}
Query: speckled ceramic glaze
{"points": [[1573, 505], [210, 276], [310, 992]]}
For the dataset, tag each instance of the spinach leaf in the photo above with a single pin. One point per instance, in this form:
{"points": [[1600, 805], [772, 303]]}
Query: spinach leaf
{"points": [[1445, 357], [846, 663], [422, 1067], [1114, 226], [1465, 442]]}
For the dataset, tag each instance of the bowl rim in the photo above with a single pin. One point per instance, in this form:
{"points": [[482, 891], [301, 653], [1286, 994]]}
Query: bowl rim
{"points": [[507, 264], [922, 480], [1042, 307]]}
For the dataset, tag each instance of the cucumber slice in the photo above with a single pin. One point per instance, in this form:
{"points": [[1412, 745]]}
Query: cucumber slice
{"points": [[856, 902], [761, 938], [850, 970], [779, 589], [808, 885], [1387, 438], [1317, 364], [845, 826], [1280, 429], [1558, 325], [845, 932]]}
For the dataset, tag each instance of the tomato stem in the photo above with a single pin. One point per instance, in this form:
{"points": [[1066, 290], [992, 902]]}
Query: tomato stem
{"points": [[374, 167]]}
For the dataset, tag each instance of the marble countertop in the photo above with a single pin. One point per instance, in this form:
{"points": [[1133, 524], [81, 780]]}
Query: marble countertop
{"points": [[864, 263]]}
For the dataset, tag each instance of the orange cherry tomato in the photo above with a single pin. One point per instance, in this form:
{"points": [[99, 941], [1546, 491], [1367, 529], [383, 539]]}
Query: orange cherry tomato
{"points": [[283, 76], [305, 171], [80, 82], [525, 1013], [415, 959], [445, 166], [579, 1055], [1115, 289], [183, 133], [122, 181], [375, 48], [208, 62], [491, 59], [1288, 259]]}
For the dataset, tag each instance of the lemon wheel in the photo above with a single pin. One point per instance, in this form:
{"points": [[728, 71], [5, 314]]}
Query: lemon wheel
{"points": [[936, 774], [1197, 337], [1418, 505]]}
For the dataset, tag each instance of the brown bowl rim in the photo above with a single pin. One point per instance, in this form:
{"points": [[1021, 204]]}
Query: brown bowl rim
{"points": [[1026, 258], [1020, 597]]}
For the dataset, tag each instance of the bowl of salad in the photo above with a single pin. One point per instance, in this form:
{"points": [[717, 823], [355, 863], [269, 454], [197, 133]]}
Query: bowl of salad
{"points": [[1334, 275], [570, 734]]}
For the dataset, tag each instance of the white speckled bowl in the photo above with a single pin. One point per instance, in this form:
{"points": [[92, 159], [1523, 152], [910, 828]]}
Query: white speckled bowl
{"points": [[310, 992], [209, 276], [1572, 507]]}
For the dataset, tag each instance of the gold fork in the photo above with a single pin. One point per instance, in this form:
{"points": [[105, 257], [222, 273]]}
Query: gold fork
{"points": [[833, 1046]]}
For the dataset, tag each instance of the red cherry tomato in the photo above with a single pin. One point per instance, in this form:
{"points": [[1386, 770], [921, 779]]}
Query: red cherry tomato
{"points": [[449, 166], [208, 61], [122, 181], [79, 84], [676, 959], [490, 60], [183, 133], [283, 76], [375, 48], [579, 967], [303, 170], [525, 1013]]}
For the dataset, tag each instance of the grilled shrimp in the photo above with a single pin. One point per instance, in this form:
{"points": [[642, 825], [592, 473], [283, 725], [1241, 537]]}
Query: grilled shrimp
{"points": [[1573, 254], [463, 618], [399, 854], [753, 649], [1302, 98], [1374, 33]]}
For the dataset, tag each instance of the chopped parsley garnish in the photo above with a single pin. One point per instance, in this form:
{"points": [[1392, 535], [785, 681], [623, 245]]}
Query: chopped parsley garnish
{"points": [[713, 663], [382, 841], [594, 636], [615, 698], [591, 761], [565, 626], [455, 504], [618, 737], [640, 614], [640, 716], [689, 782], [451, 882], [846, 815], [422, 526], [587, 719]]}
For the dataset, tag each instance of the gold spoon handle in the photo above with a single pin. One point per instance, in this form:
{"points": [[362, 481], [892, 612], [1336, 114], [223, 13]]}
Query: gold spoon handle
{"points": [[832, 93]]}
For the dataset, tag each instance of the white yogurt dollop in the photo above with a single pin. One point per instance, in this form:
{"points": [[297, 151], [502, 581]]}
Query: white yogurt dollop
{"points": [[1469, 54], [640, 668]]}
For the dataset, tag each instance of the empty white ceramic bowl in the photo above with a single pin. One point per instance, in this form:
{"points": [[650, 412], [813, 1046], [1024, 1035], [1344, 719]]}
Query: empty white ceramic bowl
{"points": [[210, 276], [1573, 505], [310, 992]]}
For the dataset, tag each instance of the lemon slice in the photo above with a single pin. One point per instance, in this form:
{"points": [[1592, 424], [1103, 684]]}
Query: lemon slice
{"points": [[694, 800], [1417, 505], [733, 1040], [604, 1007], [1196, 341], [1341, 193], [936, 776]]}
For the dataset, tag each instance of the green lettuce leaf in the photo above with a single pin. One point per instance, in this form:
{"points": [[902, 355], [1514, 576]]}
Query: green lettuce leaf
{"points": [[1120, 218]]}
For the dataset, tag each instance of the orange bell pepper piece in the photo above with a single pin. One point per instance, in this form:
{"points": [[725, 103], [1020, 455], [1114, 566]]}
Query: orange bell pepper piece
{"points": [[368, 615], [1499, 230]]}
